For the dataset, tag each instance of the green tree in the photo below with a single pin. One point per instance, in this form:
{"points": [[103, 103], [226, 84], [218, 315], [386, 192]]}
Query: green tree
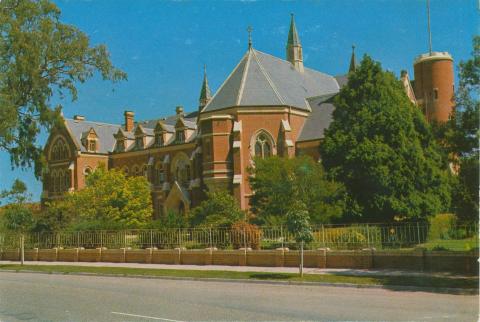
{"points": [[41, 59], [381, 148], [17, 216], [219, 210], [110, 200], [460, 137], [280, 182], [298, 224]]}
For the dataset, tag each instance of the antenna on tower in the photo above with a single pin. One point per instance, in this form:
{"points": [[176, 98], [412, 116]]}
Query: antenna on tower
{"points": [[429, 30]]}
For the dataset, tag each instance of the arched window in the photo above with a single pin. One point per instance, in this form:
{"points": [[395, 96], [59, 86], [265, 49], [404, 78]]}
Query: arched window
{"points": [[145, 171], [86, 172], [125, 170], [263, 146], [67, 180], [59, 150]]}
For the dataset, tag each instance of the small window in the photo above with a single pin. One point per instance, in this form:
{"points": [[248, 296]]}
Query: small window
{"points": [[120, 145], [158, 139], [435, 93], [92, 145], [139, 142], [180, 136]]}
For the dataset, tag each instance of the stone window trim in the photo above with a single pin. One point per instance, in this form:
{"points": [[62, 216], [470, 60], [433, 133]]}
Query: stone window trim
{"points": [[262, 144]]}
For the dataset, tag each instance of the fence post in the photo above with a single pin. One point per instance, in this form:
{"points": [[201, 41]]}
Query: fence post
{"points": [[323, 236], [179, 242], [151, 238], [281, 236], [368, 237], [210, 237], [78, 239], [418, 233]]}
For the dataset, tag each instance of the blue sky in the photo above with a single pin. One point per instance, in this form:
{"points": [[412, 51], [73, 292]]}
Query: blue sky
{"points": [[162, 45]]}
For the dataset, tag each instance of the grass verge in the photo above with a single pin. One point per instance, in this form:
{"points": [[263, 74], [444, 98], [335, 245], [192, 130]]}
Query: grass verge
{"points": [[417, 281]]}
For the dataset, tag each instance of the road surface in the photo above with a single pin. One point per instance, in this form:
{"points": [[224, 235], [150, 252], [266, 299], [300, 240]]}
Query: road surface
{"points": [[33, 297]]}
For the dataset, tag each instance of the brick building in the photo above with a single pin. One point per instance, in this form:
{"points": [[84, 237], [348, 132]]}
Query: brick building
{"points": [[266, 106]]}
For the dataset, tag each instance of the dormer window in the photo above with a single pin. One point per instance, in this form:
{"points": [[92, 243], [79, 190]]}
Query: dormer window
{"points": [[139, 142], [180, 136], [92, 145], [159, 139], [120, 145]]}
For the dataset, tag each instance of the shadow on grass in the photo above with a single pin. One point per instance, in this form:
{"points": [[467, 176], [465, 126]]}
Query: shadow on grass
{"points": [[444, 284], [270, 276]]}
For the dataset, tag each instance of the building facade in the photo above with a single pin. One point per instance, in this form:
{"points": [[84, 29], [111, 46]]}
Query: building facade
{"points": [[266, 106]]}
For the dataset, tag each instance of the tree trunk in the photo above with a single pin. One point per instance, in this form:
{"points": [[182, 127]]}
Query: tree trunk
{"points": [[301, 259]]}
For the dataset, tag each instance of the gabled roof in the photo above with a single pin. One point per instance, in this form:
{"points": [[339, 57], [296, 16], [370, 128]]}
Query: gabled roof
{"points": [[320, 118], [260, 79], [104, 133]]}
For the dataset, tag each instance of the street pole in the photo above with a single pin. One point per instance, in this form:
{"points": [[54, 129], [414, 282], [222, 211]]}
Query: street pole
{"points": [[301, 259], [22, 249]]}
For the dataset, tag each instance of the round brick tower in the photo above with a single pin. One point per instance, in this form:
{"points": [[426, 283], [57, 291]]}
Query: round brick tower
{"points": [[434, 85]]}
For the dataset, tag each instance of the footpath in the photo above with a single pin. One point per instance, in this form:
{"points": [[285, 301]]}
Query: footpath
{"points": [[320, 271]]}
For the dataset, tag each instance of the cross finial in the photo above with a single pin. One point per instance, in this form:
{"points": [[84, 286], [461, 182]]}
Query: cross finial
{"points": [[204, 69], [249, 30], [353, 47]]}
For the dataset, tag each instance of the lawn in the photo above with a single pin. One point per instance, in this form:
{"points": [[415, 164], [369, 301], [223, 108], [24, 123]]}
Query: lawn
{"points": [[418, 281], [452, 244]]}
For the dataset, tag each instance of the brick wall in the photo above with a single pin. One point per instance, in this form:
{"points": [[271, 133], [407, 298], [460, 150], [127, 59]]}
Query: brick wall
{"points": [[418, 260]]}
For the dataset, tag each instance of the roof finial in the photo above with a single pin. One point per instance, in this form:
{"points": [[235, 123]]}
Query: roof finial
{"points": [[249, 30], [353, 62]]}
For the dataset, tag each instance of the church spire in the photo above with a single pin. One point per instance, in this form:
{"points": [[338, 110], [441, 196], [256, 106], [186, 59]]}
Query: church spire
{"points": [[294, 47], [353, 62], [205, 94]]}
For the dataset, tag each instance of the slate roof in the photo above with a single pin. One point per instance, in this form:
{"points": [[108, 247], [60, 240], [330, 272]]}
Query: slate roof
{"points": [[319, 119], [260, 79], [190, 120], [342, 80], [104, 132]]}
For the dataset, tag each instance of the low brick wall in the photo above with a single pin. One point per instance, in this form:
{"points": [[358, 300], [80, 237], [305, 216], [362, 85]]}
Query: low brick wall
{"points": [[418, 259]]}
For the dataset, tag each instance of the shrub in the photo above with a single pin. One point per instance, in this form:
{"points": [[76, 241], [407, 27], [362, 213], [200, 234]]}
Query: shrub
{"points": [[442, 226], [245, 234]]}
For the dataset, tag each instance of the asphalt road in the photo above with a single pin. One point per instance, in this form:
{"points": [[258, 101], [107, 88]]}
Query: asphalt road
{"points": [[34, 297]]}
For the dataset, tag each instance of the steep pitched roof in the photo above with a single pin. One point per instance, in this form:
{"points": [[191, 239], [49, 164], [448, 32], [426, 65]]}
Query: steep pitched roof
{"points": [[260, 79], [320, 118], [104, 133]]}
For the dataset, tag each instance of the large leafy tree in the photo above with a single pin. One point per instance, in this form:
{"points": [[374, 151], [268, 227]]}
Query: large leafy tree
{"points": [[460, 137], [41, 59], [380, 146], [220, 209], [110, 200], [279, 183]]}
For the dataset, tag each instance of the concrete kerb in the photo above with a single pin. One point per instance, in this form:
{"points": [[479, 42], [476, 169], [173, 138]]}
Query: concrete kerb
{"points": [[455, 291]]}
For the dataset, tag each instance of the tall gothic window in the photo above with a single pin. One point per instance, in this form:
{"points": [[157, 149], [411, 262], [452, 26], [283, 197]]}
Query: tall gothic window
{"points": [[263, 146], [59, 150]]}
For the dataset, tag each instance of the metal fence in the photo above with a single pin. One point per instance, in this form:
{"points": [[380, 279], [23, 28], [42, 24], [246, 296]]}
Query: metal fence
{"points": [[379, 236]]}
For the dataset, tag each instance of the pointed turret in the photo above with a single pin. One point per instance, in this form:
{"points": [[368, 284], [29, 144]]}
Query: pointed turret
{"points": [[353, 62], [205, 94], [294, 47]]}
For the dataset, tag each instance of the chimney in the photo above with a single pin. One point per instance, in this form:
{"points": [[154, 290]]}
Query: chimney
{"points": [[179, 110], [128, 120], [79, 118]]}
